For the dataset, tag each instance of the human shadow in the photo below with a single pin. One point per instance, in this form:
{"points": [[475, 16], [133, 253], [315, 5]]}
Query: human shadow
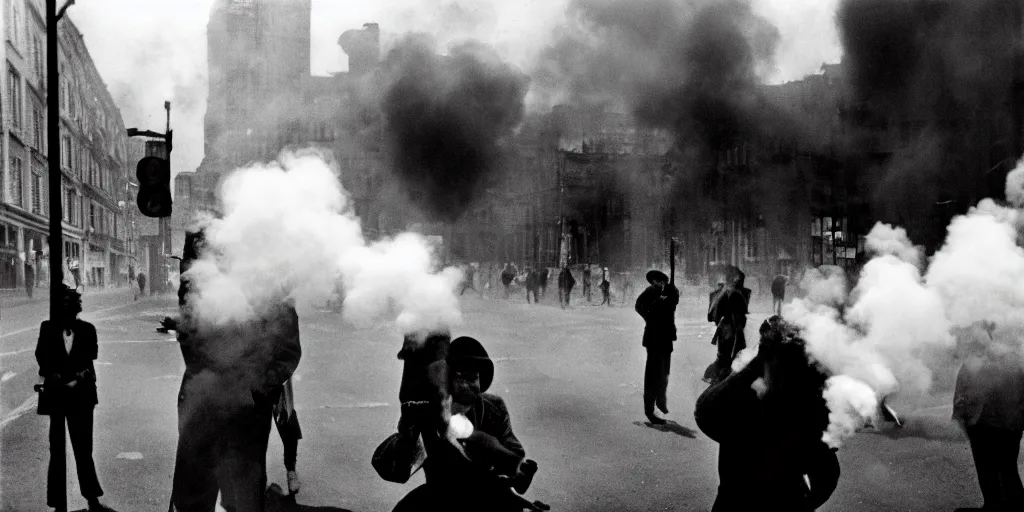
{"points": [[278, 501], [671, 427]]}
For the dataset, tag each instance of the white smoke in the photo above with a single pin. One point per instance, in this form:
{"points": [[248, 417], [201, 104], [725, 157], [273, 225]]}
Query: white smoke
{"points": [[897, 327], [288, 230]]}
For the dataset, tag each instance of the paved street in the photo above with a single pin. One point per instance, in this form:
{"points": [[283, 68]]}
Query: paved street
{"points": [[572, 380]]}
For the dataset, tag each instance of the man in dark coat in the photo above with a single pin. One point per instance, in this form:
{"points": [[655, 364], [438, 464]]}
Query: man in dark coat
{"points": [[142, 284], [30, 278], [492, 461], [778, 293], [542, 281], [729, 313], [532, 285], [65, 352], [989, 404], [234, 375], [657, 306], [565, 284], [771, 456]]}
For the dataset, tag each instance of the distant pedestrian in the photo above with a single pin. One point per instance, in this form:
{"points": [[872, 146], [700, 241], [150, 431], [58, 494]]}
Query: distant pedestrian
{"points": [[657, 306], [989, 405], [606, 288], [30, 278], [778, 293], [65, 352], [508, 274], [729, 313], [75, 272], [627, 286], [142, 284], [531, 285], [565, 284], [542, 281], [467, 280], [586, 283]]}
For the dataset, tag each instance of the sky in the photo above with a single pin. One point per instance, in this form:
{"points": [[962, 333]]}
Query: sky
{"points": [[149, 51]]}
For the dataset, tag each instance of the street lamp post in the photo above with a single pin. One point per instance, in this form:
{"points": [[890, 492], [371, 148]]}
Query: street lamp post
{"points": [[56, 214]]}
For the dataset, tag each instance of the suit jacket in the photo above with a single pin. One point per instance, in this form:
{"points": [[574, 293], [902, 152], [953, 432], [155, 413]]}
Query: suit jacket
{"points": [[54, 360], [660, 315]]}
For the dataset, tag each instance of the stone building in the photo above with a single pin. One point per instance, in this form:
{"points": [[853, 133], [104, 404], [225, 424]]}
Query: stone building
{"points": [[93, 157]]}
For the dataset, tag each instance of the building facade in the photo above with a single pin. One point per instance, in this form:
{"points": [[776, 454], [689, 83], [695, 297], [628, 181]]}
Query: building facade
{"points": [[95, 191]]}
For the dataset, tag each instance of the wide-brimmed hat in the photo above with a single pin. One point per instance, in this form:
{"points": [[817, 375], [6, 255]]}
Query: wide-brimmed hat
{"points": [[656, 274], [466, 352]]}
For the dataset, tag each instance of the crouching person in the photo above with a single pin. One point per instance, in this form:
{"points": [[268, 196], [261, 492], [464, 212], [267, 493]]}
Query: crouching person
{"points": [[768, 419], [491, 461]]}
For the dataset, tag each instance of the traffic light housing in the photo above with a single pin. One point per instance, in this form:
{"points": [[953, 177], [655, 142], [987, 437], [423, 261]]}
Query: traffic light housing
{"points": [[154, 176]]}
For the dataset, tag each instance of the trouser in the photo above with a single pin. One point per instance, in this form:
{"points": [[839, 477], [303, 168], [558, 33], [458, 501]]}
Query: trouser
{"points": [[534, 292], [563, 295], [287, 422], [995, 453], [79, 422], [606, 297], [222, 451], [586, 291], [656, 379], [777, 304]]}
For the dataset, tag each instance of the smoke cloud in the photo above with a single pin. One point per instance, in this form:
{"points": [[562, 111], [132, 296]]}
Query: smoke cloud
{"points": [[288, 230], [448, 118], [903, 320], [693, 67]]}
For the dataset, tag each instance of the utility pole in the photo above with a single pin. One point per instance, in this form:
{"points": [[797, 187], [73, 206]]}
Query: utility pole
{"points": [[56, 212]]}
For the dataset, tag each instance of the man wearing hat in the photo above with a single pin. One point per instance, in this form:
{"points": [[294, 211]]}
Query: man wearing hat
{"points": [[492, 460], [729, 313], [657, 305]]}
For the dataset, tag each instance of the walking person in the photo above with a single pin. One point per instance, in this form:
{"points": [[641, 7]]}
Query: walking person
{"points": [[606, 288], [729, 313], [532, 285], [30, 278], [565, 284], [989, 404], [142, 284], [508, 274], [778, 293], [586, 283], [657, 306], [542, 281], [75, 272], [627, 286], [467, 280], [65, 352]]}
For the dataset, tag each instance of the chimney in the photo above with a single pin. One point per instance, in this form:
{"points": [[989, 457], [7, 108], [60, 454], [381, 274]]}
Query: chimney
{"points": [[362, 47]]}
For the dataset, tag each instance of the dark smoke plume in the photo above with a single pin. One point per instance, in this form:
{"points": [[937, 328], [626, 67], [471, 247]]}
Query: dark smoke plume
{"points": [[937, 74], [447, 119], [690, 66]]}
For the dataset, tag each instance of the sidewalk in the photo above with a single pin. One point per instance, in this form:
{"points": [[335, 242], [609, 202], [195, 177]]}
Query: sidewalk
{"points": [[13, 298]]}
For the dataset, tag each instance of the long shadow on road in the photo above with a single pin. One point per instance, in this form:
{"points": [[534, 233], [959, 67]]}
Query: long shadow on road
{"points": [[671, 427]]}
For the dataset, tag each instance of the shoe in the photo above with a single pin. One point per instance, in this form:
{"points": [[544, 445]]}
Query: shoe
{"points": [[293, 482], [663, 407], [654, 420]]}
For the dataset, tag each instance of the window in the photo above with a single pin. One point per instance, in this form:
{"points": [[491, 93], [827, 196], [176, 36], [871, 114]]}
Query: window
{"points": [[17, 195], [94, 178], [65, 151], [92, 216], [14, 94], [65, 95], [14, 25], [64, 200], [37, 193], [37, 52], [37, 129]]}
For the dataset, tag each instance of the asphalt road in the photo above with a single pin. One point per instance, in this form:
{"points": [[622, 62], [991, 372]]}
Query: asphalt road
{"points": [[572, 379]]}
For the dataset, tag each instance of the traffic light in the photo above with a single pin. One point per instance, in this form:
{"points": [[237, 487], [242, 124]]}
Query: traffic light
{"points": [[154, 176]]}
